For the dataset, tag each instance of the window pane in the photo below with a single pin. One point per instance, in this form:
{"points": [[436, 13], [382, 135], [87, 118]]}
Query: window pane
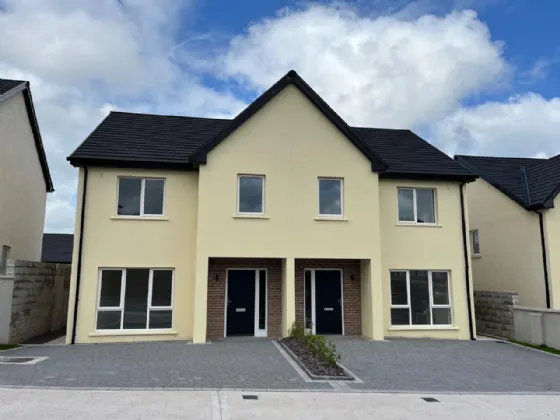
{"points": [[262, 300], [110, 295], [153, 196], [308, 301], [420, 298], [425, 206], [161, 288], [129, 196], [406, 205], [136, 298], [109, 320], [330, 197], [442, 316], [251, 194], [399, 316], [475, 242], [160, 319], [440, 288], [398, 288]]}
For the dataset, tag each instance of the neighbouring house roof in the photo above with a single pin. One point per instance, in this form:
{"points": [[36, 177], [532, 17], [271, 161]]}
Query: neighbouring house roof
{"points": [[8, 88], [57, 248], [532, 183], [158, 141]]}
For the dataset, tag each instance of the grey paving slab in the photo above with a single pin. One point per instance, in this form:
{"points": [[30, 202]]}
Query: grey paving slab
{"points": [[449, 366], [254, 364]]}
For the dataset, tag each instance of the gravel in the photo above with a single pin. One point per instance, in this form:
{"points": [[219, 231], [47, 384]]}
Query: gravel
{"points": [[311, 362]]}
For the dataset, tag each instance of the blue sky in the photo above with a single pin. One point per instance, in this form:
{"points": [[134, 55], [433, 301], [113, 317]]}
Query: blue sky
{"points": [[470, 76]]}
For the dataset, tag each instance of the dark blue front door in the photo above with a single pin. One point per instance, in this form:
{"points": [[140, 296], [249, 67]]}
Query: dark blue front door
{"points": [[328, 302], [240, 303]]}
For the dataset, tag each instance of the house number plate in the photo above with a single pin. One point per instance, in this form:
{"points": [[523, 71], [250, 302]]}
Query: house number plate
{"points": [[328, 309], [239, 309]]}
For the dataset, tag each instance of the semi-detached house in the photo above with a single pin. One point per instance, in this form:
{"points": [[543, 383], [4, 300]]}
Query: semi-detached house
{"points": [[199, 228]]}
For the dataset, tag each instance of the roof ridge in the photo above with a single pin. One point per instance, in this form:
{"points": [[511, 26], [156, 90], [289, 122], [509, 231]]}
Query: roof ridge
{"points": [[380, 128], [501, 157], [168, 116]]}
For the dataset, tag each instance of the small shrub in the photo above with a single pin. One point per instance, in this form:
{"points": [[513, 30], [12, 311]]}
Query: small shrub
{"points": [[323, 349], [297, 331]]}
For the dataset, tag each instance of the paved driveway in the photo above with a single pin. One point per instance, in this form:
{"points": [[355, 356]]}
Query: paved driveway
{"points": [[221, 364], [399, 365], [455, 366]]}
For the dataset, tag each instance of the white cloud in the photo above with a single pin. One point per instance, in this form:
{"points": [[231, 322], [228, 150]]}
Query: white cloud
{"points": [[377, 71], [85, 57], [525, 125]]}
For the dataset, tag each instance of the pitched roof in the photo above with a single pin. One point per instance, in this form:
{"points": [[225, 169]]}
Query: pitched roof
{"points": [[57, 248], [532, 183], [8, 88], [141, 140]]}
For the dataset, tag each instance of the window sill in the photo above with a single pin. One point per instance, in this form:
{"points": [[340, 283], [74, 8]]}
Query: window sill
{"points": [[250, 216], [118, 333], [331, 219], [418, 224], [423, 328], [150, 218], [476, 257]]}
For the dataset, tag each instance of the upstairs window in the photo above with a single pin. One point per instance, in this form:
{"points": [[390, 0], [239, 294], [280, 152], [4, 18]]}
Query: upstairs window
{"points": [[140, 196], [475, 243], [330, 197], [416, 205], [250, 194]]}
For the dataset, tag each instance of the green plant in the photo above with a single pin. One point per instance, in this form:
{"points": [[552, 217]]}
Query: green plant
{"points": [[323, 349], [8, 346], [297, 331]]}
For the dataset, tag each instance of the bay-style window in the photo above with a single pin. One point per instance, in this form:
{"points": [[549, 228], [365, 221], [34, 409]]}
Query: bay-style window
{"points": [[250, 194], [420, 297], [135, 299], [140, 196], [416, 205]]}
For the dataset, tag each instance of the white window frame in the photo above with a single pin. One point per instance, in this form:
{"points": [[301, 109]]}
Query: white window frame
{"points": [[120, 308], [432, 305], [341, 181], [263, 183], [415, 206], [473, 252], [142, 196]]}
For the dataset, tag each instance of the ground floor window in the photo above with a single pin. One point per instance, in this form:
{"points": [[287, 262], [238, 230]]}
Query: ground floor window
{"points": [[420, 297], [135, 299]]}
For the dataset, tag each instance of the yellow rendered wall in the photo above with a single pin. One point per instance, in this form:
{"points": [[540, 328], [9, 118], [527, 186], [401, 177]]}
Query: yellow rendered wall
{"points": [[423, 247], [510, 245], [292, 144], [23, 193], [552, 235], [110, 241]]}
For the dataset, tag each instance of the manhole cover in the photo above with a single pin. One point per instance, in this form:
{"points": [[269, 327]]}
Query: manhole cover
{"points": [[250, 397], [430, 399], [21, 360]]}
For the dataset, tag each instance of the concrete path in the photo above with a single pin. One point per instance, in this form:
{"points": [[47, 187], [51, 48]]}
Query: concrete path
{"points": [[227, 405]]}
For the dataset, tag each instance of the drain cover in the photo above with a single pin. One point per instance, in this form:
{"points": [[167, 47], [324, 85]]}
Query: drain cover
{"points": [[430, 399], [250, 397]]}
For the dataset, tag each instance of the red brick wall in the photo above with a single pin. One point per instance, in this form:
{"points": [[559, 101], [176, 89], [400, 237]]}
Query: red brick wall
{"points": [[351, 290], [217, 291]]}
